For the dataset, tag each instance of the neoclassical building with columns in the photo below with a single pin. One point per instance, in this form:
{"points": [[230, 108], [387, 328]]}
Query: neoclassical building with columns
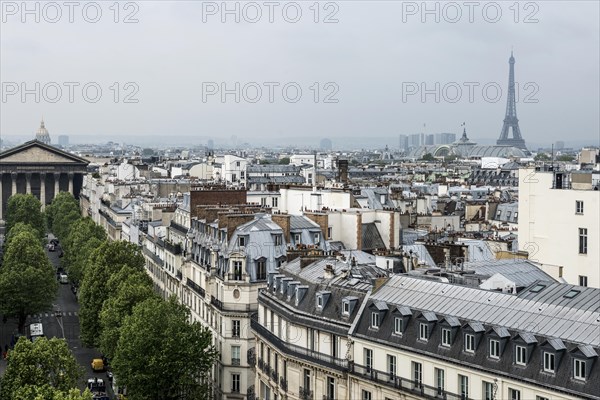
{"points": [[39, 169]]}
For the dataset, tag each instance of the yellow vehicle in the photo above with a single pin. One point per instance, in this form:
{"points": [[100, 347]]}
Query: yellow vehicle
{"points": [[97, 365]]}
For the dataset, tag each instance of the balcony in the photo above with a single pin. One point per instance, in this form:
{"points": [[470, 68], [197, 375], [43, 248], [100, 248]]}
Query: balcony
{"points": [[403, 384], [274, 376], [195, 287], [179, 275], [297, 351], [173, 248], [235, 361], [178, 227], [305, 394], [239, 307], [283, 384], [236, 277]]}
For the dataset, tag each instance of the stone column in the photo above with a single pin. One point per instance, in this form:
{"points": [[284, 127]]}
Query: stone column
{"points": [[14, 183], [28, 185], [56, 184], [1, 197], [71, 183], [43, 189]]}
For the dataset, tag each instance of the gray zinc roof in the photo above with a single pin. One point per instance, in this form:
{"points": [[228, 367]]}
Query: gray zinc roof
{"points": [[552, 315]]}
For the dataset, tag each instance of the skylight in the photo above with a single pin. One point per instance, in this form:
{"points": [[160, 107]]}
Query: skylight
{"points": [[537, 288], [571, 294]]}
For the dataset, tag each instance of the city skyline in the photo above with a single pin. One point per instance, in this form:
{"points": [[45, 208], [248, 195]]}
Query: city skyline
{"points": [[178, 92]]}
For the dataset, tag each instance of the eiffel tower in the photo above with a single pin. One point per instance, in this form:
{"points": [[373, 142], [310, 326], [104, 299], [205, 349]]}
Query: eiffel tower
{"points": [[510, 120]]}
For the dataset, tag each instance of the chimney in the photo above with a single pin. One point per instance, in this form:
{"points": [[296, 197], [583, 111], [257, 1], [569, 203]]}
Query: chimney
{"points": [[329, 272], [283, 220]]}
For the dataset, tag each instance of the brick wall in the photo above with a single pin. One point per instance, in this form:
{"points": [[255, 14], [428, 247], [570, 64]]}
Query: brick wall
{"points": [[320, 219], [283, 220]]}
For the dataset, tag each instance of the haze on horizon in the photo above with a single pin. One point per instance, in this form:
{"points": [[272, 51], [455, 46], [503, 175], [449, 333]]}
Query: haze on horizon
{"points": [[366, 66]]}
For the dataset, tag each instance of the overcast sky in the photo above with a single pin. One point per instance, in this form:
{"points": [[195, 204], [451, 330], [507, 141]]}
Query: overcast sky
{"points": [[370, 68]]}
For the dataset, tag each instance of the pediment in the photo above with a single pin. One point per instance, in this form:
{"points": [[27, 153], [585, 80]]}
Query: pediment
{"points": [[35, 152]]}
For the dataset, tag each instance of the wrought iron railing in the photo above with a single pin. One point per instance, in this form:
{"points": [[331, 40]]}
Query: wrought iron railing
{"points": [[195, 287], [403, 384], [305, 394]]}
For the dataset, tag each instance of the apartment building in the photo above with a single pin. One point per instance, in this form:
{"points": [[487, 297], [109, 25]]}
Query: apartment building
{"points": [[302, 325], [558, 222]]}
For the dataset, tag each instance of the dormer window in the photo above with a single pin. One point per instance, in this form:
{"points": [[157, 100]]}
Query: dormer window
{"points": [[277, 239], [398, 325], [375, 320], [320, 301], [345, 308], [521, 355], [241, 241], [297, 238], [446, 337], [423, 331], [579, 369], [469, 343], [494, 349], [317, 238], [549, 362]]}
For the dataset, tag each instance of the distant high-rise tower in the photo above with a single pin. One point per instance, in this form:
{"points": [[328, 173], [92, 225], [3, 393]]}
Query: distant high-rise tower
{"points": [[510, 120], [42, 134]]}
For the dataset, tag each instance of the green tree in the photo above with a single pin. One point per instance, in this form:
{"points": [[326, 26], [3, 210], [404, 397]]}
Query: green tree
{"points": [[25, 208], [129, 287], [284, 161], [541, 157], [47, 392], [44, 362], [106, 260], [428, 157], [83, 238], [174, 355], [62, 213], [566, 157], [27, 281], [21, 227]]}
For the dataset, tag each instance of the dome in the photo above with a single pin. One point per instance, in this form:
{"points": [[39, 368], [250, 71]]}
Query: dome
{"points": [[42, 134]]}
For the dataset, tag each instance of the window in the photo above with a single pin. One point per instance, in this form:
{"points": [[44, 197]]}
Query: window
{"points": [[235, 328], [439, 380], [235, 383], [548, 362], [508, 213], [583, 240], [277, 240], [417, 374], [520, 355], [398, 323], [330, 388], [237, 271], [235, 355], [514, 394], [391, 364], [345, 308], [329, 232], [317, 238], [241, 241], [366, 395], [261, 270], [488, 391], [263, 201], [423, 331], [541, 398], [275, 201], [579, 207], [494, 349], [375, 320], [464, 386], [334, 346], [320, 301], [469, 343], [297, 238], [582, 280], [446, 337], [306, 380], [579, 371], [368, 357]]}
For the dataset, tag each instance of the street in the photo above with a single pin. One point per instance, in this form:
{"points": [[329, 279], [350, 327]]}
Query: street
{"points": [[64, 324]]}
